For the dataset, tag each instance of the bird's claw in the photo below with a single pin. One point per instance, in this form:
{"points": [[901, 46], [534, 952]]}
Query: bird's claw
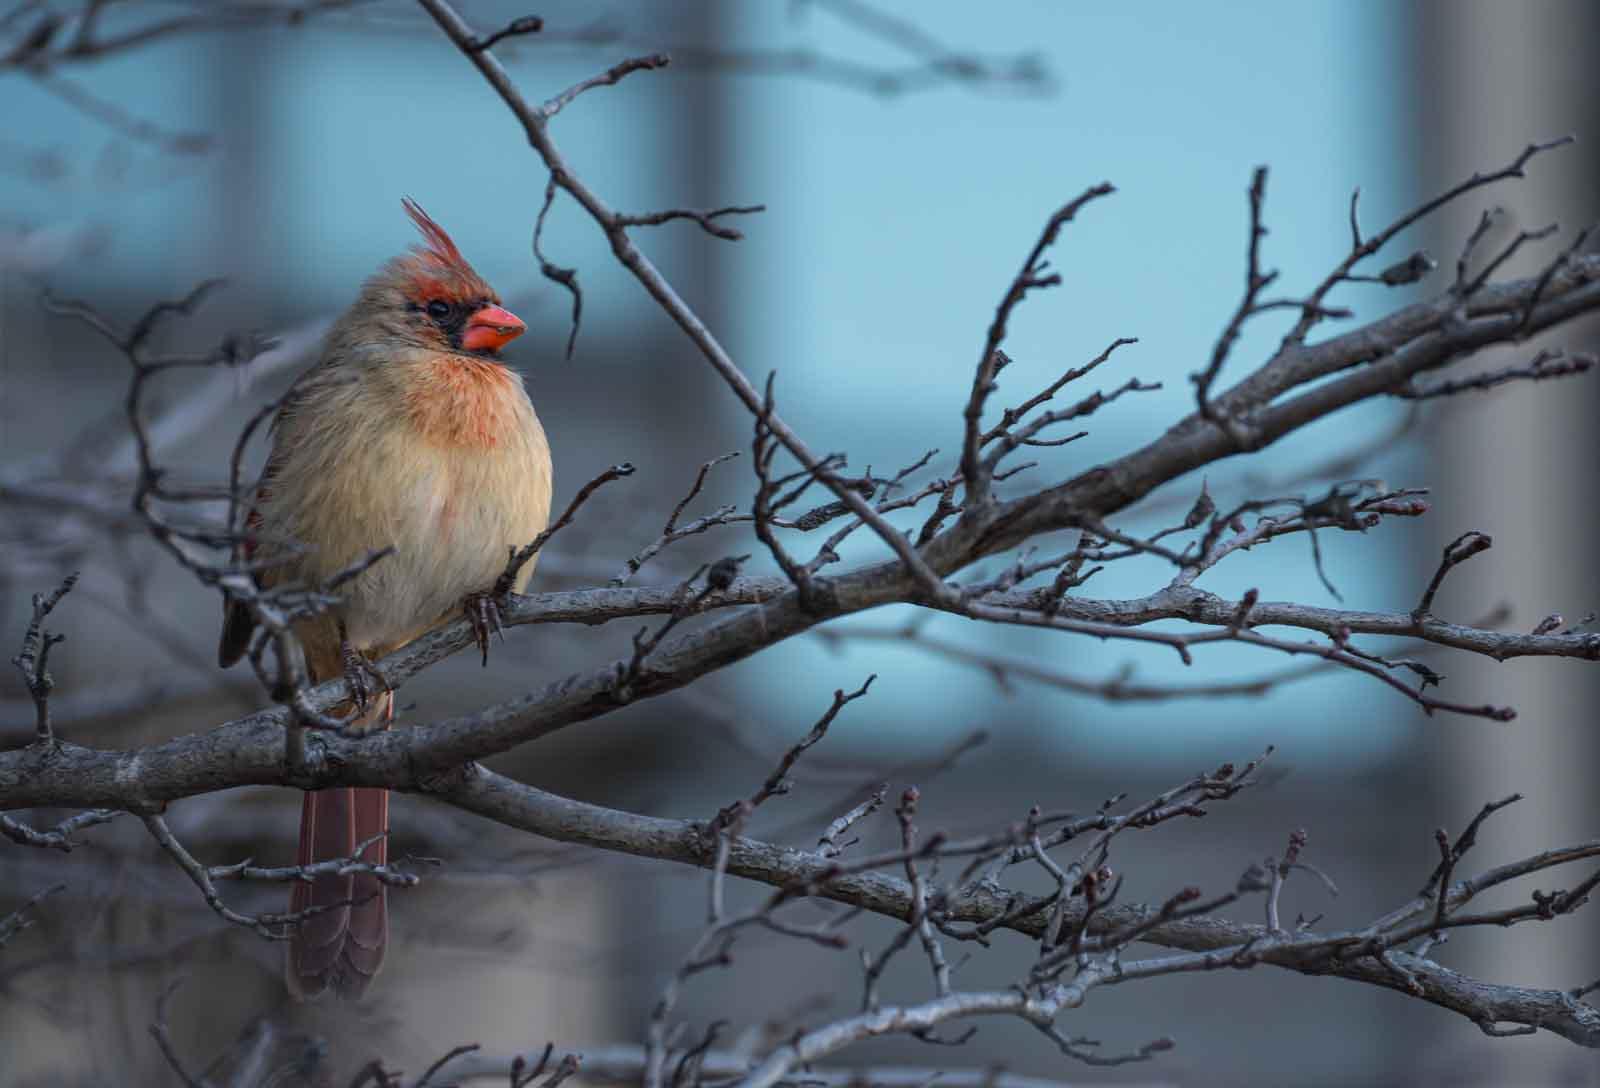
{"points": [[358, 673], [483, 612]]}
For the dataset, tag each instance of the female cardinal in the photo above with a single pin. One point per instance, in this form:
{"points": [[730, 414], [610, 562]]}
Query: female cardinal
{"points": [[408, 433]]}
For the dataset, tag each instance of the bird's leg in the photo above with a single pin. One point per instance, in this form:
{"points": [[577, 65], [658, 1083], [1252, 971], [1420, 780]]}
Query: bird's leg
{"points": [[357, 670], [483, 612]]}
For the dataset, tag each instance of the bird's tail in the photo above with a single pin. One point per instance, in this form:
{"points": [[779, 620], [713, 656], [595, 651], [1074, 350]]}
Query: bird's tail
{"points": [[344, 920]]}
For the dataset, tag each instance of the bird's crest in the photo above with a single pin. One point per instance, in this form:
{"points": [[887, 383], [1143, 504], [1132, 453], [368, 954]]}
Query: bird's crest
{"points": [[439, 244], [438, 266]]}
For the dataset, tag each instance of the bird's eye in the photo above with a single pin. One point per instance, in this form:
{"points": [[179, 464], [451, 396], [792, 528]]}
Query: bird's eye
{"points": [[438, 310]]}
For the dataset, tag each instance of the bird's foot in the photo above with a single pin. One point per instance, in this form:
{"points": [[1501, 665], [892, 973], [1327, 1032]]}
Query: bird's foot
{"points": [[483, 612], [358, 674]]}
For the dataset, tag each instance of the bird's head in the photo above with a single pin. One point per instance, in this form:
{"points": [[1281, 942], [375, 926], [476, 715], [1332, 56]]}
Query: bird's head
{"points": [[432, 298]]}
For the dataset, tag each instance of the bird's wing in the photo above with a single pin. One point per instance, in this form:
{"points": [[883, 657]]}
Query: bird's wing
{"points": [[237, 623]]}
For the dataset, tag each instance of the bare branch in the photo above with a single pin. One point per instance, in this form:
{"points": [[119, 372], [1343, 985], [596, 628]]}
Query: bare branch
{"points": [[566, 277], [624, 1065], [1255, 281], [18, 920], [34, 659], [670, 532], [1032, 275], [272, 927], [1458, 551], [1118, 688], [1372, 245], [527, 24], [777, 782], [521, 556], [1546, 365], [161, 1033], [828, 845], [706, 219], [58, 837]]}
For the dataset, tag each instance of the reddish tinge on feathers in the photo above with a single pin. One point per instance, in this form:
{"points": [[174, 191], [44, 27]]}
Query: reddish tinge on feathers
{"points": [[438, 269], [464, 403]]}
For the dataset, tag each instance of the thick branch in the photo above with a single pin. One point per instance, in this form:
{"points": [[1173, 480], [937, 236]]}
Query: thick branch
{"points": [[249, 750], [512, 803]]}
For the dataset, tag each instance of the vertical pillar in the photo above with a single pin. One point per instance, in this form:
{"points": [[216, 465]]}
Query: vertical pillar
{"points": [[1517, 464]]}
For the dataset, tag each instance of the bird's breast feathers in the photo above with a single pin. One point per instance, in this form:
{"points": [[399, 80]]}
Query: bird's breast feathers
{"points": [[456, 401], [452, 480]]}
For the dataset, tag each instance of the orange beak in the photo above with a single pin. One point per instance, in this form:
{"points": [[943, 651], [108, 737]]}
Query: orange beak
{"points": [[491, 329]]}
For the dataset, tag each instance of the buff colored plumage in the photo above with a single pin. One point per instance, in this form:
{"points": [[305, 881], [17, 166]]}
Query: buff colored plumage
{"points": [[408, 433]]}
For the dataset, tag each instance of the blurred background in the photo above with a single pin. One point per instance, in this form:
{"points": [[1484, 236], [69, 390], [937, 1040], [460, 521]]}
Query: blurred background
{"points": [[902, 190]]}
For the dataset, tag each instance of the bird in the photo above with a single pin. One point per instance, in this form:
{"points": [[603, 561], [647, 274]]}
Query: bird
{"points": [[409, 433]]}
